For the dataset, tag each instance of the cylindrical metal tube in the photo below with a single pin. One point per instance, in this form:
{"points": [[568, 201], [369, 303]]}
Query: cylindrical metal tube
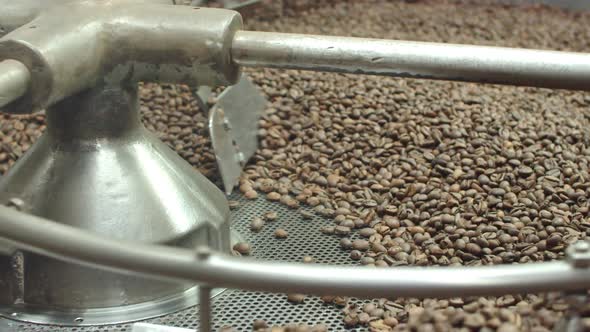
{"points": [[217, 270], [484, 64], [204, 309], [14, 81]]}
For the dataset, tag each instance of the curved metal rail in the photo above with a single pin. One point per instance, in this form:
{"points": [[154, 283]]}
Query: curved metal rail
{"points": [[218, 270]]}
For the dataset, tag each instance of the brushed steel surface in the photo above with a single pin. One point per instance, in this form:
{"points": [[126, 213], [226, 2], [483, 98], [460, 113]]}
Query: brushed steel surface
{"points": [[97, 168], [233, 126], [470, 63], [14, 81], [102, 316]]}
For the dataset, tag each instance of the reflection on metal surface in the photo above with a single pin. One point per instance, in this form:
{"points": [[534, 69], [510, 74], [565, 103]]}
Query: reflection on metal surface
{"points": [[14, 81], [96, 168], [233, 126], [469, 63], [102, 316], [145, 327]]}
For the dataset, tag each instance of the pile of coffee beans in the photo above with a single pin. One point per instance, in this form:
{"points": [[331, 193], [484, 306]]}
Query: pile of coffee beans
{"points": [[433, 173], [412, 172]]}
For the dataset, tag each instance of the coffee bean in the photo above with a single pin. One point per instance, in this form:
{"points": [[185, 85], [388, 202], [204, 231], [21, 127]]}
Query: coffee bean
{"points": [[367, 260], [361, 245], [256, 224], [363, 318], [473, 249], [390, 321], [525, 171], [308, 259], [342, 230], [356, 255], [251, 194], [281, 233], [345, 243], [367, 232], [333, 180], [327, 298], [319, 328], [271, 216], [242, 248], [328, 229], [498, 192], [508, 327], [273, 196], [296, 298], [474, 321], [351, 320], [306, 214], [483, 180], [259, 324]]}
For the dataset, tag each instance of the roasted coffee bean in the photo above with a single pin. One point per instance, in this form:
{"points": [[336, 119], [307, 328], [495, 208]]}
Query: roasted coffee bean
{"points": [[356, 255], [367, 232], [296, 298], [327, 298], [259, 324], [251, 194], [308, 259], [271, 216], [345, 243], [342, 230], [306, 214], [281, 233], [319, 328], [256, 224], [242, 248], [273, 196], [361, 245]]}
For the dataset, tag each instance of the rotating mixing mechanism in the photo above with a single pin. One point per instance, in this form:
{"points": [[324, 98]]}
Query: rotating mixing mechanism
{"points": [[122, 201]]}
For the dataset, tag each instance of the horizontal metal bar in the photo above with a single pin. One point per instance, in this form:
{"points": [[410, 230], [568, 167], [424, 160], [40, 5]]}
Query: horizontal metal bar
{"points": [[484, 64], [14, 81], [67, 243]]}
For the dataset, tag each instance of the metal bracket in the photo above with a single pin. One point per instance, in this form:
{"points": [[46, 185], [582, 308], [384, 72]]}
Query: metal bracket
{"points": [[233, 126]]}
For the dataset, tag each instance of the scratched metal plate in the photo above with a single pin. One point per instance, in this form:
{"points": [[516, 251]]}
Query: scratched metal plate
{"points": [[233, 126]]}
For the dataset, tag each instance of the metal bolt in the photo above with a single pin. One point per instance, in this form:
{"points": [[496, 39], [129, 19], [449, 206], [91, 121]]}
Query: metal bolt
{"points": [[226, 125], [16, 203], [203, 252], [241, 158]]}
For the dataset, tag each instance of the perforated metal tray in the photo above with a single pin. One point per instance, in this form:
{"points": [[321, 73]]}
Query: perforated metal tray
{"points": [[239, 308]]}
